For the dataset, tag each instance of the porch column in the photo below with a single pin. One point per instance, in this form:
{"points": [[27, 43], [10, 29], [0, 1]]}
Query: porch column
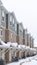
{"points": [[10, 57], [25, 53], [0, 54], [20, 54], [3, 54]]}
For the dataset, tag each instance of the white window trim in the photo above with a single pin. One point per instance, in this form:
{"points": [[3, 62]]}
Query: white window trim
{"points": [[3, 13]]}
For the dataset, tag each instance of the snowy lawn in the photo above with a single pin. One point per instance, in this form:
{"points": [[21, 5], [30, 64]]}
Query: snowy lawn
{"points": [[33, 62], [27, 61]]}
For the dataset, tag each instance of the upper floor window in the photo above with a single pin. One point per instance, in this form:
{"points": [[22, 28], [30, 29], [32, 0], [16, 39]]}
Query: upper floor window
{"points": [[3, 15], [2, 18], [10, 20], [13, 21], [15, 27], [21, 29], [10, 23], [21, 33]]}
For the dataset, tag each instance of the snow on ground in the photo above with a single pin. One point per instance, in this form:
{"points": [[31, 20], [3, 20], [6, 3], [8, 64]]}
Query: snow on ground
{"points": [[27, 61], [14, 63], [33, 62]]}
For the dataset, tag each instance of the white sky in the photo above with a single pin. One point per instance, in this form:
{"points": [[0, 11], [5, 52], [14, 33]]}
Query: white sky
{"points": [[26, 12]]}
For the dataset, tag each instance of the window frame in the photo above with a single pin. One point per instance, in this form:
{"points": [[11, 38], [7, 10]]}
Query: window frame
{"points": [[10, 20], [13, 21], [15, 27], [3, 15]]}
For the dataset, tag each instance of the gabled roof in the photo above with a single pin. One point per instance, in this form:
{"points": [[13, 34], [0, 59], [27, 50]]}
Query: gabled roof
{"points": [[2, 7], [13, 15]]}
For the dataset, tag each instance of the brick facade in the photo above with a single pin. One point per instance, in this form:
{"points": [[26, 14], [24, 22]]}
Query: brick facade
{"points": [[10, 36]]}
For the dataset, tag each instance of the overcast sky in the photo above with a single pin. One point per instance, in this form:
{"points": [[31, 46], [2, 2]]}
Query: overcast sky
{"points": [[26, 12]]}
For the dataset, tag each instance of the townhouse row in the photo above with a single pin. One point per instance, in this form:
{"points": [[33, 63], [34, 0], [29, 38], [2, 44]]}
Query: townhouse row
{"points": [[13, 31]]}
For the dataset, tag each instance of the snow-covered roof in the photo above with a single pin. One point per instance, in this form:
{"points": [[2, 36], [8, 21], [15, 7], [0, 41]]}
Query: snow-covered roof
{"points": [[14, 44], [34, 49], [9, 44], [3, 46], [21, 47], [27, 48], [34, 52], [31, 49]]}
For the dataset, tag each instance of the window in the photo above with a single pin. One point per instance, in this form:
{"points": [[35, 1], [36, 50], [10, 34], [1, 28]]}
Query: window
{"points": [[21, 28], [1, 32], [10, 23], [3, 15], [21, 32], [15, 27], [13, 21], [11, 18], [2, 18]]}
